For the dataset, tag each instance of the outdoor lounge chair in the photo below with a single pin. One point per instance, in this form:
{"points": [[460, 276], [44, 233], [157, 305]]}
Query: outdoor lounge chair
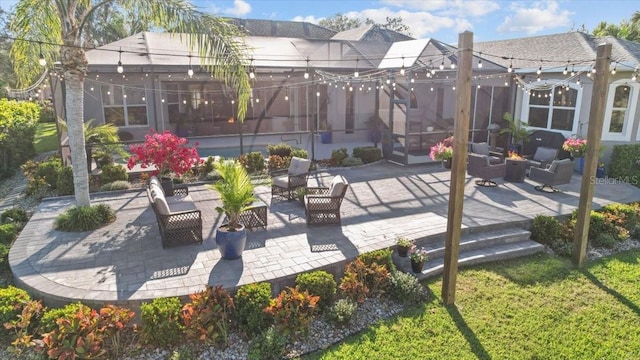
{"points": [[322, 204], [292, 179], [542, 157], [558, 173], [480, 166], [483, 149]]}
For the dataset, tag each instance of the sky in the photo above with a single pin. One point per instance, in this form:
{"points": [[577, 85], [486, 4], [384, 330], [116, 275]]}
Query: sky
{"points": [[439, 19]]}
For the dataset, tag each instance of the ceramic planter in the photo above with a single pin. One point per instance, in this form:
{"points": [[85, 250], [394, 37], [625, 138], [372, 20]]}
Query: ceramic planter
{"points": [[416, 266], [403, 250], [231, 243]]}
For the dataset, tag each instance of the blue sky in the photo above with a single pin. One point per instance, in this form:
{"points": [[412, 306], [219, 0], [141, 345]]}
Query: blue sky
{"points": [[439, 19]]}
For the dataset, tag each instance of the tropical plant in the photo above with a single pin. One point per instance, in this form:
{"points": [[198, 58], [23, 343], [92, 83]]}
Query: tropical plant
{"points": [[235, 189], [57, 29], [103, 137], [166, 151], [517, 129]]}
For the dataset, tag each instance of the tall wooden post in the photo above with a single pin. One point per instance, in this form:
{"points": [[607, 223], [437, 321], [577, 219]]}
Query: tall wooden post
{"points": [[594, 135], [459, 166]]}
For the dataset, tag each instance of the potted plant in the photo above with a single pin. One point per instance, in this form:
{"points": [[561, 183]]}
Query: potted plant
{"points": [[577, 147], [325, 132], [418, 257], [236, 193], [403, 245], [102, 142], [168, 153], [517, 129], [443, 151]]}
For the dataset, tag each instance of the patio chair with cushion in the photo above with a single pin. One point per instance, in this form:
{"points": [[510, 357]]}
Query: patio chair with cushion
{"points": [[480, 166], [558, 173], [286, 182], [542, 157], [483, 149], [322, 204]]}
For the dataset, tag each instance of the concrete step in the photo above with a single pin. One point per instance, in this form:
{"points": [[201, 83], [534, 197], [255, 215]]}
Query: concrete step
{"points": [[475, 248]]}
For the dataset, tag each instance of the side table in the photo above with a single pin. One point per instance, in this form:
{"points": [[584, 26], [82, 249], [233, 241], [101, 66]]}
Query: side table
{"points": [[254, 216], [515, 170]]}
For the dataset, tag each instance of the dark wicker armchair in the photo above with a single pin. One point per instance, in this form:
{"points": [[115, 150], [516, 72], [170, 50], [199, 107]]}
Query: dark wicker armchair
{"points": [[542, 157], [558, 173], [287, 182], [480, 166], [322, 204]]}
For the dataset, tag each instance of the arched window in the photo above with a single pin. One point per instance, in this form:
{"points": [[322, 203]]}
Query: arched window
{"points": [[555, 108], [618, 116]]}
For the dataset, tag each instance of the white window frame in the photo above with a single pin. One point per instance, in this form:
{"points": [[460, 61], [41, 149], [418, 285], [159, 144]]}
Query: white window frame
{"points": [[576, 108], [125, 104], [630, 110]]}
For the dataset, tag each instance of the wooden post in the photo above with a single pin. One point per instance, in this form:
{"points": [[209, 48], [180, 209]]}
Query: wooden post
{"points": [[459, 166], [594, 135]]}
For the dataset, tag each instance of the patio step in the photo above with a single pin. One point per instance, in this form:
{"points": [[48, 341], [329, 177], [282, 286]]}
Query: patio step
{"points": [[475, 248]]}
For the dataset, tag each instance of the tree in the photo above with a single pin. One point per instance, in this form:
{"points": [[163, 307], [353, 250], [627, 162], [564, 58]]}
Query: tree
{"points": [[339, 22], [6, 72], [629, 30], [395, 24], [59, 27]]}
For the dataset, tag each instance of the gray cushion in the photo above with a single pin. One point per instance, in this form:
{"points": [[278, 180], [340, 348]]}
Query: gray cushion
{"points": [[337, 186], [545, 153], [161, 204], [281, 181], [299, 166], [554, 164], [480, 148]]}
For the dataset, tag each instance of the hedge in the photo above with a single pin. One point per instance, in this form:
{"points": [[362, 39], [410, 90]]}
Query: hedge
{"points": [[18, 122]]}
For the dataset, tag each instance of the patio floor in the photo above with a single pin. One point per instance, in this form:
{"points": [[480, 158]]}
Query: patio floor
{"points": [[124, 262]]}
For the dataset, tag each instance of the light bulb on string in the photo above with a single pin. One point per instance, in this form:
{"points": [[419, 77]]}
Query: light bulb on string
{"points": [[252, 74], [453, 65], [578, 81], [480, 61], [510, 69], [42, 61], [119, 68], [442, 63], [615, 66], [356, 73], [190, 71], [306, 73], [402, 68]]}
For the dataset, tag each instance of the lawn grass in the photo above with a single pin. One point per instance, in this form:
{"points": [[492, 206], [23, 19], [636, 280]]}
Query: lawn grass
{"points": [[46, 138], [533, 308]]}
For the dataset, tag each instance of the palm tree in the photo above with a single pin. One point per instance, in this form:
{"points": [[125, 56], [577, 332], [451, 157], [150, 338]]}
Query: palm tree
{"points": [[58, 28]]}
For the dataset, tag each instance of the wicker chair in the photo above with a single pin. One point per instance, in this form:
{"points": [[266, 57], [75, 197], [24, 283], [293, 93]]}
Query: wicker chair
{"points": [[542, 157], [558, 173], [322, 204], [483, 149], [287, 182], [480, 166]]}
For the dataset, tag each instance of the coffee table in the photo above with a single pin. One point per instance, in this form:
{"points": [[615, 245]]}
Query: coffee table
{"points": [[254, 216], [515, 170]]}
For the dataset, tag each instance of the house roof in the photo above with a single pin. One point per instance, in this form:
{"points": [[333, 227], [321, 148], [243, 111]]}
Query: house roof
{"points": [[281, 28], [371, 33], [556, 50]]}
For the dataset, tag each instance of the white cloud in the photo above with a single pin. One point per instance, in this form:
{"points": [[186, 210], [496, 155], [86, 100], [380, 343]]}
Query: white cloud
{"points": [[459, 8], [420, 23], [532, 20], [310, 19], [240, 8]]}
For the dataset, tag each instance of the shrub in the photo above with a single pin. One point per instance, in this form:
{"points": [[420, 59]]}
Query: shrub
{"points": [[18, 121], [15, 214], [381, 257], [338, 155], [545, 229], [41, 176], [343, 311], [4, 257], [48, 170], [367, 154], [208, 314], [270, 345], [12, 300], [65, 181], [276, 162], [207, 166], [604, 240], [293, 311], [623, 164], [161, 324], [563, 245], [113, 172], [116, 185], [250, 301], [351, 161], [48, 320], [85, 218], [8, 233], [113, 320], [24, 326], [319, 283], [253, 161], [625, 215], [282, 149], [300, 153], [77, 336], [405, 288], [353, 284]]}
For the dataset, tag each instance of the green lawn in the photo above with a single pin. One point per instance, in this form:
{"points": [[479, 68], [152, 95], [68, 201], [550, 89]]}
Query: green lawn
{"points": [[46, 138], [532, 308]]}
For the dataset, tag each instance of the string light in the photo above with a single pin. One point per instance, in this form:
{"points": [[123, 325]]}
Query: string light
{"points": [[306, 73], [42, 61], [615, 66], [190, 71], [119, 68], [402, 68], [252, 74], [566, 69], [510, 69], [480, 61], [356, 73], [442, 63]]}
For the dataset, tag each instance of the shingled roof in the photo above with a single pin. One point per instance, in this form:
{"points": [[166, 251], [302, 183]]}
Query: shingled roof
{"points": [[557, 50], [281, 28], [371, 33]]}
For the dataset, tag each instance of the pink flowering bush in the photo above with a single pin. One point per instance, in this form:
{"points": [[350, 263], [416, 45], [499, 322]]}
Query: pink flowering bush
{"points": [[442, 150], [576, 146], [166, 151]]}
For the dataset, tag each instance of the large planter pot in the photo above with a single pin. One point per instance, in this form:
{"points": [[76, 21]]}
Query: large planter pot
{"points": [[325, 137], [600, 172], [167, 186], [416, 266], [403, 250], [231, 243], [446, 163]]}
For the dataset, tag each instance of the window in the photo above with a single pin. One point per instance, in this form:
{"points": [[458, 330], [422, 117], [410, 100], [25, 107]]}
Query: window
{"points": [[554, 109], [124, 105], [618, 116]]}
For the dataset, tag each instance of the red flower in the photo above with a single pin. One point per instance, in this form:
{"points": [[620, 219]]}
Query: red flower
{"points": [[166, 151]]}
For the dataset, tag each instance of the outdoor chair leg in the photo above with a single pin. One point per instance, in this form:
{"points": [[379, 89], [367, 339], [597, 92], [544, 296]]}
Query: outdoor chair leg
{"points": [[486, 183], [547, 188]]}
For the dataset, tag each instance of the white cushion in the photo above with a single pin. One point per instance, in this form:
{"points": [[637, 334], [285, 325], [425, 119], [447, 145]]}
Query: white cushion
{"points": [[155, 181], [337, 186], [480, 148], [161, 205], [299, 166], [281, 181]]}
